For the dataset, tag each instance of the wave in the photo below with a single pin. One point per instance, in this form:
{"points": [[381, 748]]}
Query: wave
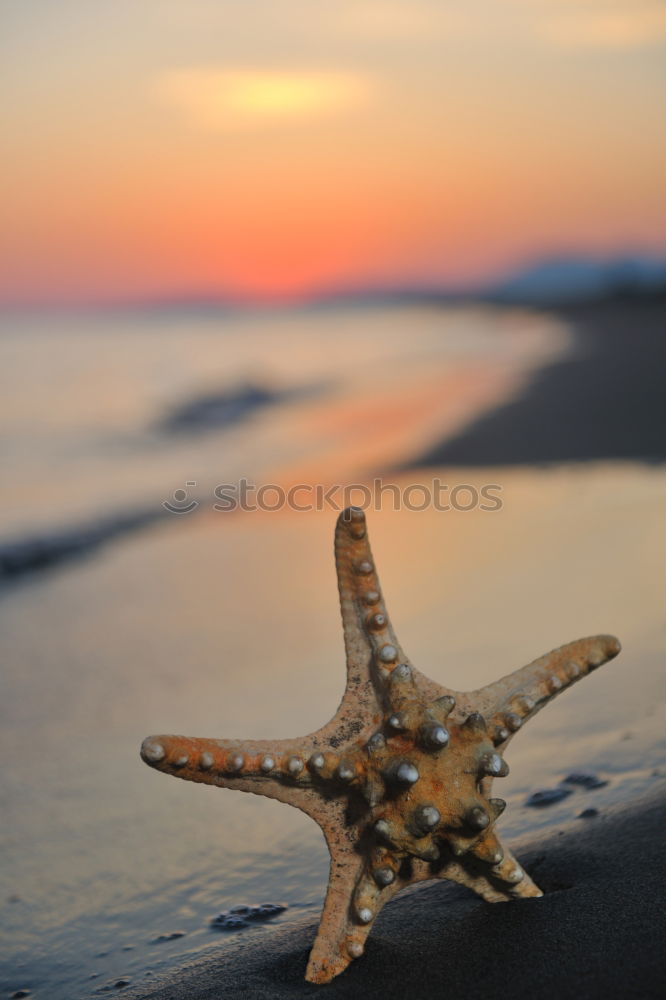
{"points": [[218, 410], [38, 552]]}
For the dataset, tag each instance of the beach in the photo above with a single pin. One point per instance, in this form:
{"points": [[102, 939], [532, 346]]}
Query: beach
{"points": [[227, 625], [596, 932], [604, 401]]}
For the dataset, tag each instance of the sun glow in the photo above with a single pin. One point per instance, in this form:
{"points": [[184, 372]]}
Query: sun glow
{"points": [[219, 99], [267, 149]]}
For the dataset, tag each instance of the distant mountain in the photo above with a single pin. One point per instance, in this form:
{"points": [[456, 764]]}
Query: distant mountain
{"points": [[550, 281], [559, 279]]}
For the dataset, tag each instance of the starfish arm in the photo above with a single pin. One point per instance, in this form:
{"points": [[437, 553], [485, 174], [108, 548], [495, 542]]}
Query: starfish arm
{"points": [[369, 637], [489, 869], [475, 881], [494, 883], [279, 769], [340, 938], [496, 867], [513, 879], [513, 699], [371, 645]]}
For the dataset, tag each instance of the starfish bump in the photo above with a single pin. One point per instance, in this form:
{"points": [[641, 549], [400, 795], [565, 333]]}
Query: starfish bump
{"points": [[400, 779]]}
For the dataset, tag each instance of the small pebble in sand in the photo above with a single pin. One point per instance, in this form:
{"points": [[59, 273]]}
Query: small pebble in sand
{"points": [[238, 917], [547, 797], [119, 983], [588, 813], [584, 779], [231, 923]]}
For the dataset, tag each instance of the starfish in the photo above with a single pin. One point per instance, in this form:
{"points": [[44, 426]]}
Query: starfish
{"points": [[400, 779]]}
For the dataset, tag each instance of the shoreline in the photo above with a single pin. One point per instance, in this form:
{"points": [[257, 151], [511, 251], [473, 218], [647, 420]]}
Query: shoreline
{"points": [[605, 401], [596, 932]]}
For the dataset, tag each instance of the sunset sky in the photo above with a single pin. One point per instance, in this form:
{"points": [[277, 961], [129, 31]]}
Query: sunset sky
{"points": [[272, 148]]}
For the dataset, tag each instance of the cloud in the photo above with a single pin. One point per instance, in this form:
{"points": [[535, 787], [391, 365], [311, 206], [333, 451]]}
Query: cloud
{"points": [[221, 99], [604, 25]]}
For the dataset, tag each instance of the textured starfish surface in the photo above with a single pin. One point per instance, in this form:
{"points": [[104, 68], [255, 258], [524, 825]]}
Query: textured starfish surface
{"points": [[400, 779]]}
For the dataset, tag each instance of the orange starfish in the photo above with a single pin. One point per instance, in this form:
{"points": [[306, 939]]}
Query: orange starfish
{"points": [[400, 779]]}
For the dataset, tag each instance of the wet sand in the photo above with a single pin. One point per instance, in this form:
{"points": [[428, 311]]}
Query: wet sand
{"points": [[597, 931]]}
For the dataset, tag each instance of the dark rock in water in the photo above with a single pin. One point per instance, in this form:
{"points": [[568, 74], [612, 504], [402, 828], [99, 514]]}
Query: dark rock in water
{"points": [[588, 813], [173, 936], [579, 779], [220, 409], [229, 923], [119, 983], [240, 916], [547, 797], [271, 909], [18, 994], [584, 779]]}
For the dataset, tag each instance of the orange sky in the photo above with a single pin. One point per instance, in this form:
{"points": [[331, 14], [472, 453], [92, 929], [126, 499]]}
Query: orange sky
{"points": [[276, 147]]}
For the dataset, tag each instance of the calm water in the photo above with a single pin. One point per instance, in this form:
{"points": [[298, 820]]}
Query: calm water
{"points": [[227, 625], [83, 398]]}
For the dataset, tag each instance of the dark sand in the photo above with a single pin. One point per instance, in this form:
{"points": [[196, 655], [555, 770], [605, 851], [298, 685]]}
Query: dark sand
{"points": [[597, 932], [605, 401]]}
